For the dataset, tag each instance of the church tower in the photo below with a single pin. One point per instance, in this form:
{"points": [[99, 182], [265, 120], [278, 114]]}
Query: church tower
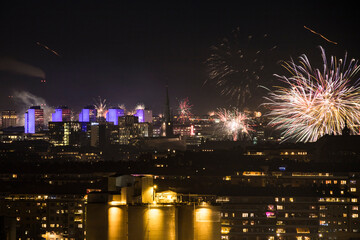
{"points": [[167, 125]]}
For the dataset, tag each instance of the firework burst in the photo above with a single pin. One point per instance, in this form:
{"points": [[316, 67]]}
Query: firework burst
{"points": [[316, 102], [184, 110], [234, 123], [140, 106], [100, 106], [236, 64]]}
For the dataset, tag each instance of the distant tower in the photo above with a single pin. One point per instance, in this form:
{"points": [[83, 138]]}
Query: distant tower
{"points": [[167, 125], [34, 119], [8, 118], [345, 130]]}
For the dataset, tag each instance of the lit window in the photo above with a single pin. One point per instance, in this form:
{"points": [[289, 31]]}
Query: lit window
{"points": [[352, 189], [343, 182], [245, 215], [245, 230], [323, 223], [355, 215], [279, 207], [354, 200], [344, 215], [355, 208]]}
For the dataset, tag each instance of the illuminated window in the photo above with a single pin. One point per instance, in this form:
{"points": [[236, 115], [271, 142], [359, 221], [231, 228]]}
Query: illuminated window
{"points": [[352, 189], [354, 200], [343, 182], [355, 215], [280, 230], [279, 207], [276, 199], [291, 199], [244, 215], [355, 208], [344, 215], [225, 230], [323, 223], [245, 230]]}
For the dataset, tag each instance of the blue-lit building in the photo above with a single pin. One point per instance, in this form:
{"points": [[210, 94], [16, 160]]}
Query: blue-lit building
{"points": [[62, 114], [144, 115], [88, 114], [113, 115], [34, 120]]}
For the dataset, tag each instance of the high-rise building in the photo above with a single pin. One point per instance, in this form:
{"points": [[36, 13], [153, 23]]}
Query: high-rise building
{"points": [[34, 119], [144, 115], [8, 118], [62, 114], [167, 125], [113, 115], [64, 133], [88, 114]]}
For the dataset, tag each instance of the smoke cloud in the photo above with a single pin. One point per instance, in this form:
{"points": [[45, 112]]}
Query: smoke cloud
{"points": [[14, 66], [26, 99]]}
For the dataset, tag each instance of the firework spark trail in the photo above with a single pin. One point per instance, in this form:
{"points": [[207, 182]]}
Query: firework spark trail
{"points": [[319, 35], [184, 110], [100, 106], [234, 123], [236, 65], [47, 48], [316, 102]]}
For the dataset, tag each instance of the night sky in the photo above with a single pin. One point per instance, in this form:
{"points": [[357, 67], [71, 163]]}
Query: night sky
{"points": [[127, 51]]}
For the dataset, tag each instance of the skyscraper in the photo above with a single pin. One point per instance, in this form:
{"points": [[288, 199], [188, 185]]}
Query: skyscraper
{"points": [[144, 115], [8, 118], [113, 115], [88, 114], [62, 114], [34, 119]]}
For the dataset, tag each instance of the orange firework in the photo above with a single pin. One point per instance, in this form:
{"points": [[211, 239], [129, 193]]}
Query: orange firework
{"points": [[47, 48], [319, 35]]}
